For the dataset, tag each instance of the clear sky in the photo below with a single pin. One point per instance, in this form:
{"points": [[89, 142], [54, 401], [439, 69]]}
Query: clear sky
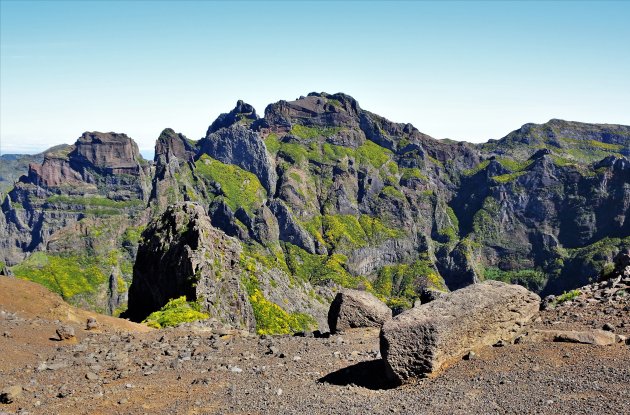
{"points": [[463, 70]]}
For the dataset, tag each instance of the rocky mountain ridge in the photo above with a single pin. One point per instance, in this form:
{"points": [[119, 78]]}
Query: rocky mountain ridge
{"points": [[321, 193]]}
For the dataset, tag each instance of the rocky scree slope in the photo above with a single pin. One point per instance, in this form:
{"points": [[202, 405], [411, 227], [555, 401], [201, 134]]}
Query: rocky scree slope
{"points": [[126, 367], [325, 193]]}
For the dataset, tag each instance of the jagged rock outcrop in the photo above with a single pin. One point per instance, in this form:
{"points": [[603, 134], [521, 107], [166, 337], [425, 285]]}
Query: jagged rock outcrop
{"points": [[229, 140], [55, 169], [105, 153], [222, 217], [172, 179], [243, 112], [289, 230], [183, 254], [422, 340], [352, 309]]}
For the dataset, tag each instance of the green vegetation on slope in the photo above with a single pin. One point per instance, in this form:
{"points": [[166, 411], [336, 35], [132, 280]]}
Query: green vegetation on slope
{"points": [[67, 275], [412, 173], [401, 283], [373, 154], [534, 280], [309, 133], [507, 178], [369, 153], [175, 312], [567, 296], [319, 268], [270, 317], [349, 231], [240, 187]]}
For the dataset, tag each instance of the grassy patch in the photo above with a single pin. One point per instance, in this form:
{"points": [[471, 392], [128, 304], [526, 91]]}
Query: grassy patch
{"points": [[373, 154], [240, 187], [309, 133], [405, 280], [132, 235], [567, 296], [369, 153], [484, 221], [507, 178], [435, 161], [67, 275], [318, 269], [477, 168], [270, 317], [176, 311], [412, 173], [272, 142], [392, 192], [343, 230], [349, 231], [514, 165]]}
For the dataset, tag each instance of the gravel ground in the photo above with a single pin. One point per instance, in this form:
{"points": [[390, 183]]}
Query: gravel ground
{"points": [[121, 370]]}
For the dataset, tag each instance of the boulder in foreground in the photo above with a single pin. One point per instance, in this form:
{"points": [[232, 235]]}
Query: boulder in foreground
{"points": [[595, 337], [353, 308], [422, 340], [65, 332]]}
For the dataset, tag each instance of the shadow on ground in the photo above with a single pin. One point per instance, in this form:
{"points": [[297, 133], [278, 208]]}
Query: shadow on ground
{"points": [[370, 375]]}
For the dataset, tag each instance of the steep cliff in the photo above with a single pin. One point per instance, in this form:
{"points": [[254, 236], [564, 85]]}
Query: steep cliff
{"points": [[70, 221], [183, 254]]}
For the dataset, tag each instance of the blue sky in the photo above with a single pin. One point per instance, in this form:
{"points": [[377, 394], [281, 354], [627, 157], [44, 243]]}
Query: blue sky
{"points": [[463, 70]]}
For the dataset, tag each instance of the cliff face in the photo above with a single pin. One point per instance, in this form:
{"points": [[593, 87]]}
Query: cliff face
{"points": [[74, 210], [320, 192], [183, 254]]}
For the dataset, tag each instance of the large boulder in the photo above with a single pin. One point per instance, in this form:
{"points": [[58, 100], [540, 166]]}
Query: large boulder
{"points": [[595, 337], [422, 340], [353, 308]]}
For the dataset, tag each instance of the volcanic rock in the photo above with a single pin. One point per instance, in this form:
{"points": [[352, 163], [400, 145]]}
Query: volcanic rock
{"points": [[422, 340], [353, 308], [184, 255]]}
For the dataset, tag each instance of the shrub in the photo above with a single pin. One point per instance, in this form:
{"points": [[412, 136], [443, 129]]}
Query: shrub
{"points": [[67, 275], [371, 153], [567, 296], [270, 317], [176, 311]]}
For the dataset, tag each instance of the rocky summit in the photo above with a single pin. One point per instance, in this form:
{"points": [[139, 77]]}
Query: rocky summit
{"points": [[324, 221]]}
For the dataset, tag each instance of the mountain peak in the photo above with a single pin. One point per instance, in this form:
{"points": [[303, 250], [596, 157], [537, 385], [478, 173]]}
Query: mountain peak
{"points": [[242, 112]]}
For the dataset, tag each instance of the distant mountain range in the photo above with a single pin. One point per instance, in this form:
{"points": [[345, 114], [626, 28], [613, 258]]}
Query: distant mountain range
{"points": [[315, 194]]}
